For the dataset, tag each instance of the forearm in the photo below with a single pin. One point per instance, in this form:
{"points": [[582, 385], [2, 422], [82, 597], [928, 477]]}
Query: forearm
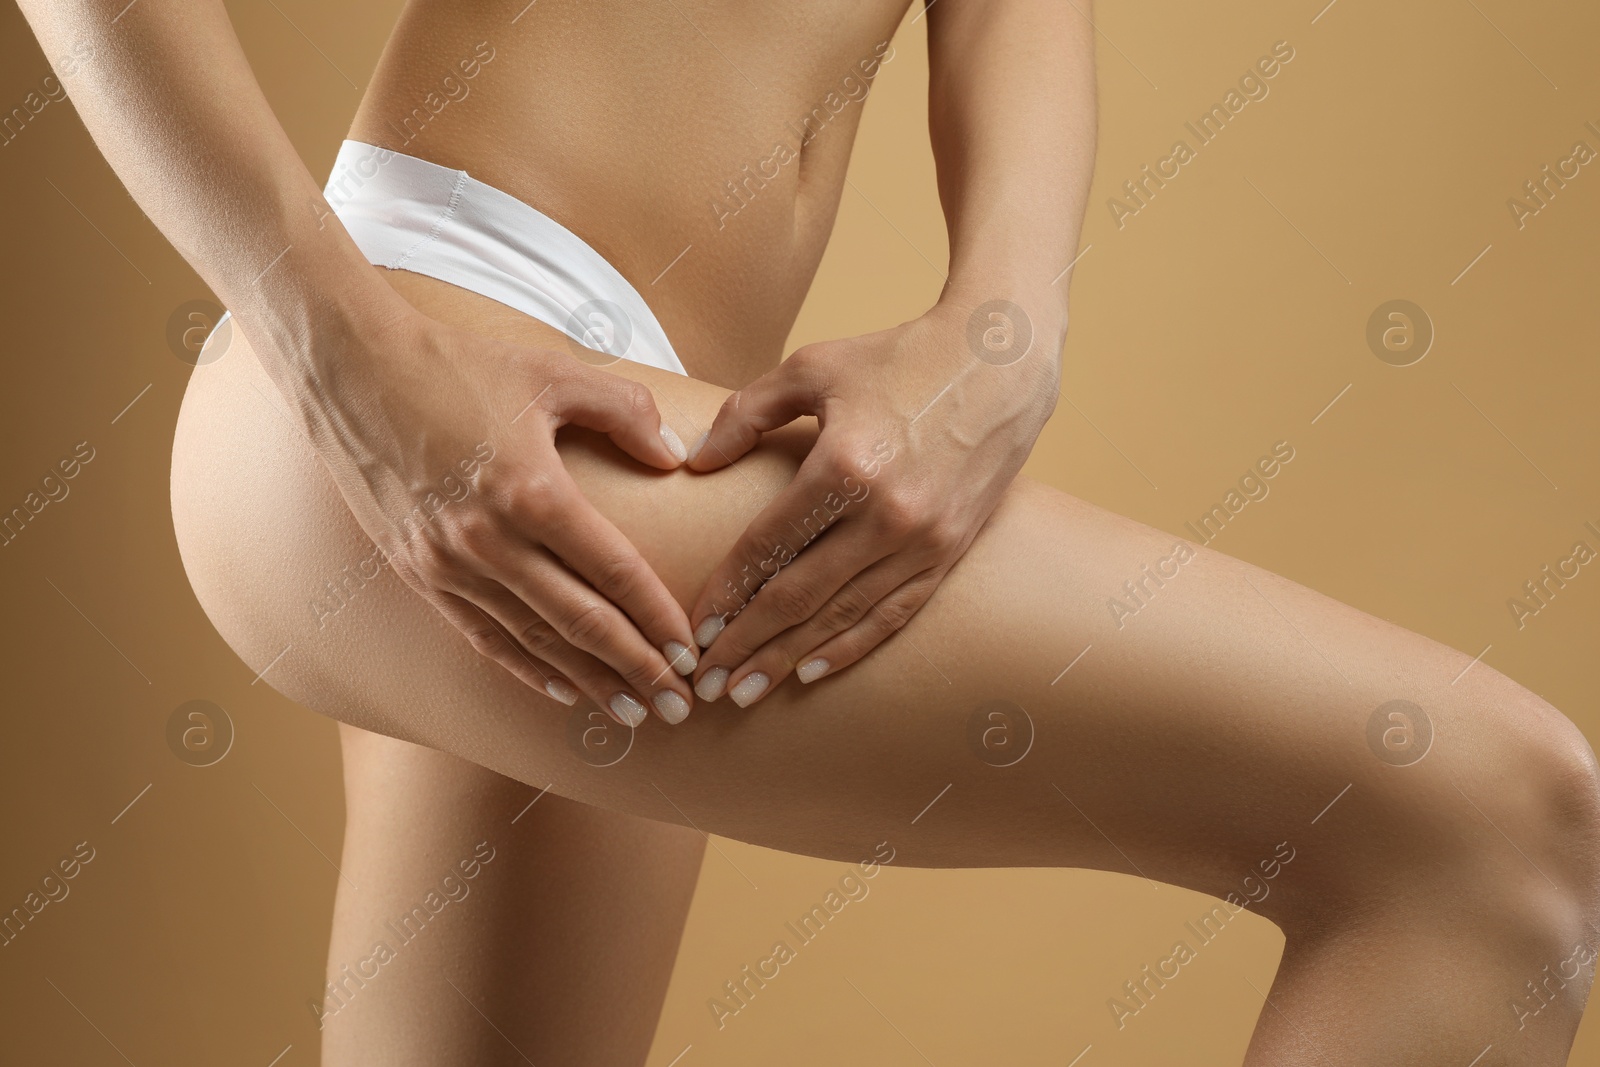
{"points": [[1012, 115], [170, 100]]}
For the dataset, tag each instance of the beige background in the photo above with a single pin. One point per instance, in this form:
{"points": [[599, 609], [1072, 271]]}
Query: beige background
{"points": [[1223, 317]]}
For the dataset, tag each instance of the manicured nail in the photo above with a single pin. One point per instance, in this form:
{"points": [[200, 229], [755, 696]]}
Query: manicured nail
{"points": [[682, 658], [749, 688], [707, 631], [629, 710], [711, 683], [673, 442], [561, 691], [672, 707], [699, 443], [812, 669]]}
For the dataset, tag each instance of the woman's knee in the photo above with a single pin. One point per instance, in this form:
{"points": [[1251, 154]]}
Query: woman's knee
{"points": [[1540, 794], [1553, 782], [1495, 821]]}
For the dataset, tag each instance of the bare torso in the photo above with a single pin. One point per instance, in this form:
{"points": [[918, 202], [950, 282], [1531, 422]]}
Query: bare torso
{"points": [[698, 145]]}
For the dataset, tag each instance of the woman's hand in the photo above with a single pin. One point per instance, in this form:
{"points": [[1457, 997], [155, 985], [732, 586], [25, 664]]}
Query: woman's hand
{"points": [[443, 444], [922, 429]]}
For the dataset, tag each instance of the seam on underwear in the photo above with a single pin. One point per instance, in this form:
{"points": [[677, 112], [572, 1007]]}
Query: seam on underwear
{"points": [[444, 217]]}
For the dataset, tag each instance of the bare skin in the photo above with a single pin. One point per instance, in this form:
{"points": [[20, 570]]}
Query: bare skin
{"points": [[561, 119], [564, 941], [1209, 729], [759, 259], [1199, 737], [712, 184], [757, 252]]}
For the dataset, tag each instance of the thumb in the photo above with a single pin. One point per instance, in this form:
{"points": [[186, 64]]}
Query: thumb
{"points": [[778, 397], [623, 410]]}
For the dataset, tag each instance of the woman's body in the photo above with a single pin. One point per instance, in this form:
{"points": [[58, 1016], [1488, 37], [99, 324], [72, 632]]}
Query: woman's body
{"points": [[1217, 723], [756, 246], [1187, 744]]}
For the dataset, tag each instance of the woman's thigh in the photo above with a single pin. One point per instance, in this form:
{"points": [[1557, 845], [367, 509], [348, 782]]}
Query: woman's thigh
{"points": [[480, 920], [1218, 713]]}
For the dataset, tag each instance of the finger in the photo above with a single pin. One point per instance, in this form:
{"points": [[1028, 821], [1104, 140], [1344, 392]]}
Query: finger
{"points": [[490, 639], [802, 512], [885, 618], [791, 599], [761, 672], [565, 611], [623, 410], [783, 394], [572, 616], [520, 639], [556, 514], [538, 640]]}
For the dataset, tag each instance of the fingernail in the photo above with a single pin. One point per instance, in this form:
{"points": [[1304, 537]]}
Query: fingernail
{"points": [[751, 686], [699, 443], [673, 442], [561, 691], [628, 709], [682, 658], [672, 707], [812, 669], [710, 685], [708, 630]]}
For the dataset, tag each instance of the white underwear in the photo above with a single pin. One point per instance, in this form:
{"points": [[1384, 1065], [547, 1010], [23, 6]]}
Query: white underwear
{"points": [[405, 213]]}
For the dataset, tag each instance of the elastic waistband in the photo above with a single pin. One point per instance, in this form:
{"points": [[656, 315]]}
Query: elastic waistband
{"points": [[405, 213]]}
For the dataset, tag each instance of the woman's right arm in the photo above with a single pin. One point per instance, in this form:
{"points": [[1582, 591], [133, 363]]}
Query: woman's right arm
{"points": [[441, 441]]}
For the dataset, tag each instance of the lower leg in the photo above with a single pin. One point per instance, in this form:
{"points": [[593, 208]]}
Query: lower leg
{"points": [[1426, 984], [472, 928]]}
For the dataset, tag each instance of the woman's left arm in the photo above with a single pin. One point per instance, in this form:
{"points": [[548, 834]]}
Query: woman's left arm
{"points": [[926, 424]]}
